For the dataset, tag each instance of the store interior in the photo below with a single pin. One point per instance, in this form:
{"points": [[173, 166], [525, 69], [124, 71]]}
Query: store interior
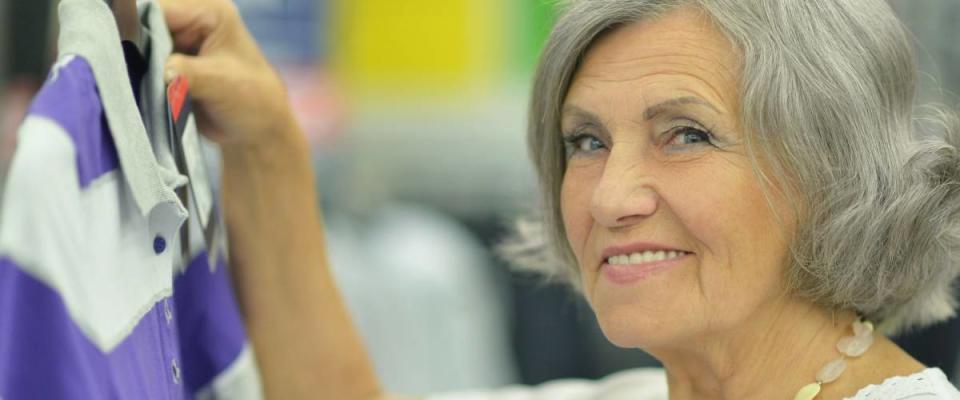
{"points": [[415, 112]]}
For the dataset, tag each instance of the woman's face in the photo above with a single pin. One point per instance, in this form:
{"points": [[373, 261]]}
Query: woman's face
{"points": [[667, 220]]}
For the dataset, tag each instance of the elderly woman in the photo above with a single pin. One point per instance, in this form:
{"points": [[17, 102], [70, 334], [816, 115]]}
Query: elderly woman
{"points": [[742, 188]]}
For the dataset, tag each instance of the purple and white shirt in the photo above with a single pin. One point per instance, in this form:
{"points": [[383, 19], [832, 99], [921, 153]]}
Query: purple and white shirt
{"points": [[97, 300]]}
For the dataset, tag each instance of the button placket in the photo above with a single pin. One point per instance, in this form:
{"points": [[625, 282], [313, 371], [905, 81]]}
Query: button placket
{"points": [[167, 311], [175, 369], [159, 244], [165, 221]]}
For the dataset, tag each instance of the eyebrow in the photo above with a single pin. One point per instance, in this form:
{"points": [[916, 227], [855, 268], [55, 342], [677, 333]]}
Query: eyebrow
{"points": [[651, 111], [658, 108]]}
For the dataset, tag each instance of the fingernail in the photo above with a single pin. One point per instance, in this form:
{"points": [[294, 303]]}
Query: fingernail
{"points": [[169, 75]]}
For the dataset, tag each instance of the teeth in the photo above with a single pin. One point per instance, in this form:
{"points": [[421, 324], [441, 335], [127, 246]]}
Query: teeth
{"points": [[644, 257]]}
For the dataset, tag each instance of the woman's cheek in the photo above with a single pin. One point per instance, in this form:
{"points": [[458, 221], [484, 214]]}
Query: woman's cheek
{"points": [[575, 197]]}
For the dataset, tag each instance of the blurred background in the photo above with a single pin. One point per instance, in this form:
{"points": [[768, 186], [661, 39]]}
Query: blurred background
{"points": [[415, 111]]}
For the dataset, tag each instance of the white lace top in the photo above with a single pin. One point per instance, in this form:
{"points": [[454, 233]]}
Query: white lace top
{"points": [[650, 384], [929, 384]]}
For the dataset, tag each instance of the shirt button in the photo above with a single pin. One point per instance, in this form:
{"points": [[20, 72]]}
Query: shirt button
{"points": [[176, 371], [159, 244], [167, 312]]}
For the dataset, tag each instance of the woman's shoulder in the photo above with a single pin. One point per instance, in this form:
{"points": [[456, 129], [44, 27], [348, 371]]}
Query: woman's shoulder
{"points": [[634, 384], [930, 383]]}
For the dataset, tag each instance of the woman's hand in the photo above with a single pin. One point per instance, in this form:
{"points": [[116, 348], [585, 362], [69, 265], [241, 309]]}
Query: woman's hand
{"points": [[305, 344], [239, 97]]}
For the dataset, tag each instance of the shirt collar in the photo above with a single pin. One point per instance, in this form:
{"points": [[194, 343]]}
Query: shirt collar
{"points": [[88, 29]]}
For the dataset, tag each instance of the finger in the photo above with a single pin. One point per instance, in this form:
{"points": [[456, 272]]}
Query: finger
{"points": [[205, 84], [190, 24], [203, 74], [207, 127]]}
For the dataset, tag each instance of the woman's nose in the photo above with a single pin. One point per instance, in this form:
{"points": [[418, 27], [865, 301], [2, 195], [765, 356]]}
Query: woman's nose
{"points": [[625, 194]]}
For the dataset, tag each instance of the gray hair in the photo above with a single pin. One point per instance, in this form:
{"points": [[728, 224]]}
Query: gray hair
{"points": [[828, 94]]}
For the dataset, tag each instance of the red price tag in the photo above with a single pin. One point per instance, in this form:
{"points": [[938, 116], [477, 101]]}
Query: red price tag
{"points": [[176, 96]]}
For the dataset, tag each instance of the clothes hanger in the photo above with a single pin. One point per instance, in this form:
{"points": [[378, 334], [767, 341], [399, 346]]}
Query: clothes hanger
{"points": [[128, 19]]}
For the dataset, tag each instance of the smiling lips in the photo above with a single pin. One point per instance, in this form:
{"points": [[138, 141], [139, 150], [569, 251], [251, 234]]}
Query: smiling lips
{"points": [[628, 264], [644, 257]]}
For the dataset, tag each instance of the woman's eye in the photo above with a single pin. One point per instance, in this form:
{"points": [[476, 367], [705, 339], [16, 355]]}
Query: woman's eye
{"points": [[582, 144], [690, 136]]}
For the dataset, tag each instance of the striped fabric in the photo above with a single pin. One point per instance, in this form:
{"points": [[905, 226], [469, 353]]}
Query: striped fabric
{"points": [[99, 299]]}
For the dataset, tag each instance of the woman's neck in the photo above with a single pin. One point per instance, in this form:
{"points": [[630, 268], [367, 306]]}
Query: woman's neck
{"points": [[774, 354]]}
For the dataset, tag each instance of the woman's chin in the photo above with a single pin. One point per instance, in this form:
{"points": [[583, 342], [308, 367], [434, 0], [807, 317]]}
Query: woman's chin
{"points": [[639, 320], [626, 329]]}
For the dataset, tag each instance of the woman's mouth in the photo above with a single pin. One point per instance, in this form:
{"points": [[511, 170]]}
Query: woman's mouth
{"points": [[629, 268]]}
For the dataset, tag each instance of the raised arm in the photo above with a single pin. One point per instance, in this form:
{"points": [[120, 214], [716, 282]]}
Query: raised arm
{"points": [[306, 345]]}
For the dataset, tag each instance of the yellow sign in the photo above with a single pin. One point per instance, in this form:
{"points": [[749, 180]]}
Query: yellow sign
{"points": [[418, 45]]}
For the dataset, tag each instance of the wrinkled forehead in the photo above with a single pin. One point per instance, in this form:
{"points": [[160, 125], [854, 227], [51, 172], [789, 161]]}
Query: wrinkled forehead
{"points": [[680, 51]]}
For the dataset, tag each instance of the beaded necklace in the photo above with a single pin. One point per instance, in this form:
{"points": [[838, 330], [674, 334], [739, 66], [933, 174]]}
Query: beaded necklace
{"points": [[849, 346]]}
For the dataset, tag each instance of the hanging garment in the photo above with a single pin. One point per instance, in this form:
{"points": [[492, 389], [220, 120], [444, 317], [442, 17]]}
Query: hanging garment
{"points": [[101, 295]]}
